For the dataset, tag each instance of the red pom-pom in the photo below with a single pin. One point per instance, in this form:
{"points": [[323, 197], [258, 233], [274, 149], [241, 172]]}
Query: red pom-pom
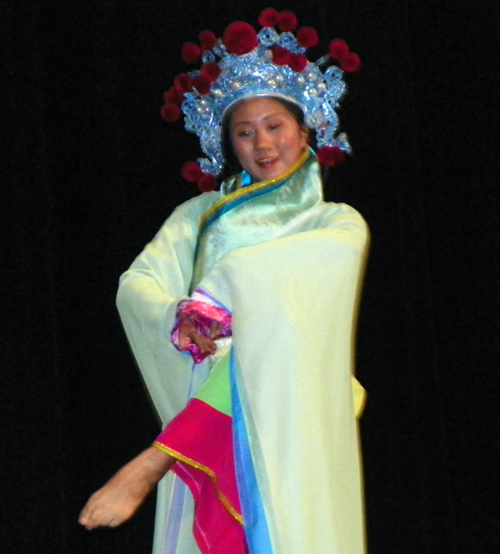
{"points": [[338, 49], [268, 17], [173, 96], [190, 52], [240, 38], [350, 63], [170, 112], [298, 62], [287, 21], [207, 39], [201, 84], [307, 37], [281, 56], [191, 171], [211, 71], [183, 82], [207, 182], [330, 155]]}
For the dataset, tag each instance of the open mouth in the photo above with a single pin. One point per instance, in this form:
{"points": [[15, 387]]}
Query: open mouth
{"points": [[266, 163]]}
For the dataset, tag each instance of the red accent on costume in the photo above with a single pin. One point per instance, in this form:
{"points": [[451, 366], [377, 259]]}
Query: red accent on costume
{"points": [[170, 112], [268, 17], [240, 38], [211, 71], [287, 21], [183, 82], [202, 84], [338, 49], [201, 438], [307, 37], [330, 155], [298, 62], [207, 39], [207, 182], [281, 56], [173, 96], [350, 63], [191, 171], [190, 52]]}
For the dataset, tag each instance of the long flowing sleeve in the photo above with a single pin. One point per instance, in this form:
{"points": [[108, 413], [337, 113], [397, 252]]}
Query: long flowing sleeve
{"points": [[147, 298]]}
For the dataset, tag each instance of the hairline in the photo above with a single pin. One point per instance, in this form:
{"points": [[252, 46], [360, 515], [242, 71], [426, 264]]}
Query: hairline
{"points": [[250, 96]]}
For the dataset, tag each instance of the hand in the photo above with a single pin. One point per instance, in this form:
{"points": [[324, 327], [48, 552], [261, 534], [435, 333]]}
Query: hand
{"points": [[188, 333]]}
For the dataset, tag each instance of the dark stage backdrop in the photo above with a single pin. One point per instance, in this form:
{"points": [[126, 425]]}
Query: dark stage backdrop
{"points": [[91, 171]]}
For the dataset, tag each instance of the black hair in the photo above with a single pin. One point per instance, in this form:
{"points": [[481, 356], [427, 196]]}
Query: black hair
{"points": [[232, 164]]}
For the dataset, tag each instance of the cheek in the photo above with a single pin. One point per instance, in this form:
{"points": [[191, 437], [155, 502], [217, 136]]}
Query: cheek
{"points": [[296, 143], [242, 151], [236, 146]]}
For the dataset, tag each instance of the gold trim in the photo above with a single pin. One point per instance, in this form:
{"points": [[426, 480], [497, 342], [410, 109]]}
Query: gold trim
{"points": [[220, 495], [245, 191]]}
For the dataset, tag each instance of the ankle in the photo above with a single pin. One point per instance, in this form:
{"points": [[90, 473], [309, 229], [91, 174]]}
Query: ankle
{"points": [[154, 464]]}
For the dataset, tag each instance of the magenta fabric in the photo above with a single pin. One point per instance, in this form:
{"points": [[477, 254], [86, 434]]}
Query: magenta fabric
{"points": [[201, 439], [203, 315]]}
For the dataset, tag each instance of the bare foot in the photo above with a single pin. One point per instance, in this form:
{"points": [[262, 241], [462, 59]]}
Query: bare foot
{"points": [[123, 494]]}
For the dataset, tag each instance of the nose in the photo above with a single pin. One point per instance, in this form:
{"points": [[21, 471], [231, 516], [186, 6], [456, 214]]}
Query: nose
{"points": [[262, 140]]}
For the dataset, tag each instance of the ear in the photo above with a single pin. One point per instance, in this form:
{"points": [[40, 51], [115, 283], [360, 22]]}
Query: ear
{"points": [[305, 133]]}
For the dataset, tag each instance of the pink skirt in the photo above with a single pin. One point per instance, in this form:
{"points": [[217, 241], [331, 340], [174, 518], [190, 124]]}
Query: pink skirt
{"points": [[201, 440]]}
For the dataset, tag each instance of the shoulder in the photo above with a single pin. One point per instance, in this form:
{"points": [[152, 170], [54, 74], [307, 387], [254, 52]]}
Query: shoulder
{"points": [[196, 207], [187, 215], [181, 226]]}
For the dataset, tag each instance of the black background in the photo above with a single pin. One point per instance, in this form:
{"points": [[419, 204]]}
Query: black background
{"points": [[90, 172]]}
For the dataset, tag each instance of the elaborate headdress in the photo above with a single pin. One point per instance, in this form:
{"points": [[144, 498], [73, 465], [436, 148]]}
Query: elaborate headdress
{"points": [[243, 64]]}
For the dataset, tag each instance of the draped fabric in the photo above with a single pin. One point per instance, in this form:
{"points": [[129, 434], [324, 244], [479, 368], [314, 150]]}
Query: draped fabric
{"points": [[288, 266], [200, 438], [295, 388]]}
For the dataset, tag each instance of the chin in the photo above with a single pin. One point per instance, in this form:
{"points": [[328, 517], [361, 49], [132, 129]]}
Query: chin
{"points": [[267, 174]]}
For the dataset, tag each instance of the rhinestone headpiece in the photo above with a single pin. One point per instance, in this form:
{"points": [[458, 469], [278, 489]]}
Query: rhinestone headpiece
{"points": [[244, 64]]}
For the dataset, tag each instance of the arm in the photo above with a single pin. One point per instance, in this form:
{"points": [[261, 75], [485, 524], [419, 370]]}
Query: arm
{"points": [[147, 299]]}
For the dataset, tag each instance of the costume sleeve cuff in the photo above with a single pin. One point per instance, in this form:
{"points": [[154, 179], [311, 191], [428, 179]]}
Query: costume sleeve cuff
{"points": [[203, 313]]}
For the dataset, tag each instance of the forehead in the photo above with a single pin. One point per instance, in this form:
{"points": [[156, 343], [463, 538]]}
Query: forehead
{"points": [[257, 108]]}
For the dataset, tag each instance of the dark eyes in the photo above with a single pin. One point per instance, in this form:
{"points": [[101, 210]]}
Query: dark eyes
{"points": [[271, 126]]}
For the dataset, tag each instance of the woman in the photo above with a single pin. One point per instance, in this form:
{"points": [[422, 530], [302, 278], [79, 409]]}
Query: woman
{"points": [[269, 263]]}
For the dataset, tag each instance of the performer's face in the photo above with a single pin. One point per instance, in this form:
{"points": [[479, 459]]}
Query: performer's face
{"points": [[266, 137]]}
